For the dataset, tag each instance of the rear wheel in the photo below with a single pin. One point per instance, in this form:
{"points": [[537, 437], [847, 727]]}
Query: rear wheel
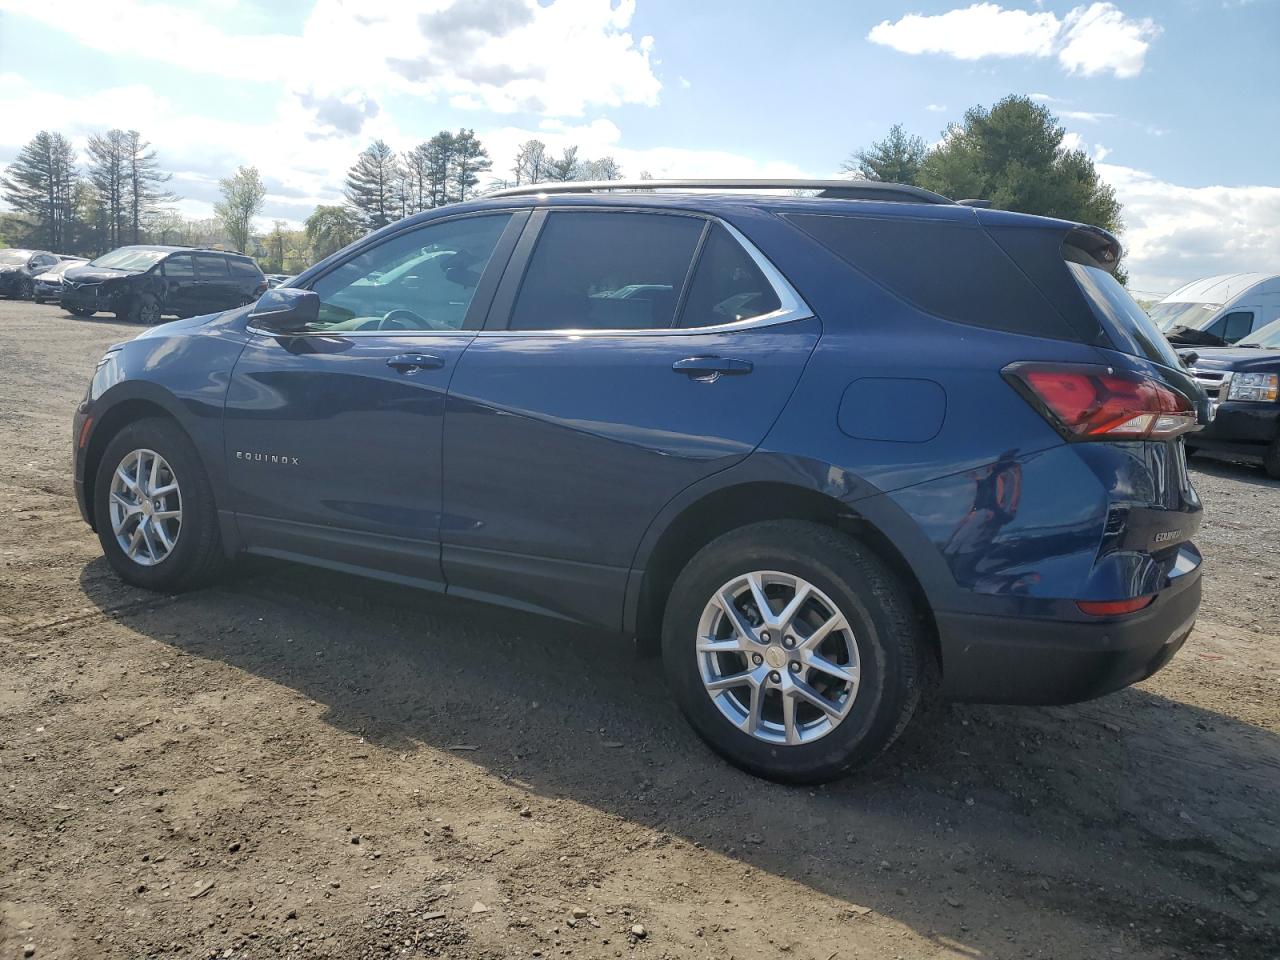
{"points": [[154, 509], [793, 651]]}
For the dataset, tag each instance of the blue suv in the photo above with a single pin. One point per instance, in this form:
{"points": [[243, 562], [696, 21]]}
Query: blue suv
{"points": [[829, 453]]}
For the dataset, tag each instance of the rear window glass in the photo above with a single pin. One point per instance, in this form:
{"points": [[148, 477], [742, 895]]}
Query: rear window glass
{"points": [[727, 285], [1130, 329], [244, 268], [948, 268], [211, 266]]}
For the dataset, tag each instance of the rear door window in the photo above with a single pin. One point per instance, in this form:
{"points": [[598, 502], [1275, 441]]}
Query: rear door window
{"points": [[727, 285], [211, 266], [606, 271]]}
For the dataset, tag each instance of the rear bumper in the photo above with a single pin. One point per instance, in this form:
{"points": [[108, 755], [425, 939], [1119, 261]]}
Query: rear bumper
{"points": [[1001, 658]]}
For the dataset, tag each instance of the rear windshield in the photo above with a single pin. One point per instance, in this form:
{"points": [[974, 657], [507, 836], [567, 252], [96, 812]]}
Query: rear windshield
{"points": [[1131, 330]]}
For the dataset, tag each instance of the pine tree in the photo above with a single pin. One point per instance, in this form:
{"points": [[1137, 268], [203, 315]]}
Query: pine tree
{"points": [[440, 162], [108, 171], [566, 167], [142, 195], [40, 183], [895, 159], [470, 159], [415, 167], [371, 185]]}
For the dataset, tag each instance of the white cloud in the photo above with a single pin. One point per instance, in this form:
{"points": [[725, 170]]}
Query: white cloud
{"points": [[1088, 116], [1099, 38], [1174, 234], [557, 58], [936, 107], [1088, 40]]}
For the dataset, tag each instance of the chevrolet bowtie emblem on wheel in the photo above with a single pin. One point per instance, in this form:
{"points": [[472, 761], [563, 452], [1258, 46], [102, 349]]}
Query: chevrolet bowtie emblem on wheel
{"points": [[267, 458]]}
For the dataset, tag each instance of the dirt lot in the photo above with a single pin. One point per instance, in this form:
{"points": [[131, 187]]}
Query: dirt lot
{"points": [[300, 763]]}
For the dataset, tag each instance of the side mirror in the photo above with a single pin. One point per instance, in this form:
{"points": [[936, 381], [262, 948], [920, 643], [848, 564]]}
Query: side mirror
{"points": [[285, 310]]}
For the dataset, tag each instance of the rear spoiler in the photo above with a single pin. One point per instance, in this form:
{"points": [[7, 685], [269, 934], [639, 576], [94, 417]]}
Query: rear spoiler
{"points": [[1093, 247]]}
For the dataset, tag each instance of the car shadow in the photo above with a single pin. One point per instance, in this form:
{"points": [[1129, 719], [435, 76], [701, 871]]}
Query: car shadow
{"points": [[1221, 465], [1134, 810]]}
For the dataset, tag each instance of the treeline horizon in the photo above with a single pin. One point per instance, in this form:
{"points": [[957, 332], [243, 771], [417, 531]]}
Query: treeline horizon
{"points": [[1012, 154]]}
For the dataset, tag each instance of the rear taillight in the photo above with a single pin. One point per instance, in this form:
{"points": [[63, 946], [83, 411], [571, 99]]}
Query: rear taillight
{"points": [[1087, 402]]}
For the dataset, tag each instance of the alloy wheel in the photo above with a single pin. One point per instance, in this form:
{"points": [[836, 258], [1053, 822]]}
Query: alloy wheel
{"points": [[778, 658], [146, 507]]}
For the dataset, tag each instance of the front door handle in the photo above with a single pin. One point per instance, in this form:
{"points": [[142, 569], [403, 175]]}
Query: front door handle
{"points": [[711, 369], [413, 362]]}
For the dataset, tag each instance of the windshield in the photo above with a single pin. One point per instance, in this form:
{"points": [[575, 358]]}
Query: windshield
{"points": [[1268, 336], [59, 268], [1132, 330], [129, 258], [11, 258], [1170, 315]]}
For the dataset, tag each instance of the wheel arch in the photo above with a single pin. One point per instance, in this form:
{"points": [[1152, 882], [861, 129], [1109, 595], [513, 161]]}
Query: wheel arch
{"points": [[130, 406], [728, 508]]}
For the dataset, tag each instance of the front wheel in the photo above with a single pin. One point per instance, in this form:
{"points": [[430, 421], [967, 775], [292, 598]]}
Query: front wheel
{"points": [[26, 290], [793, 651], [154, 509], [80, 311], [1271, 461]]}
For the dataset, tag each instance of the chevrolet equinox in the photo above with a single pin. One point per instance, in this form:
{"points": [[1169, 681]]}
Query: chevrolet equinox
{"points": [[827, 452]]}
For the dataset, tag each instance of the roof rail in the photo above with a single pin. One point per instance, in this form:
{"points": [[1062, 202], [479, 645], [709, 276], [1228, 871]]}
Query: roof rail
{"points": [[830, 189]]}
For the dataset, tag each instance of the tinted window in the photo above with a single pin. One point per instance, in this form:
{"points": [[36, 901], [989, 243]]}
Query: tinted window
{"points": [[179, 267], [727, 285], [606, 271], [244, 269], [949, 268], [211, 266], [1121, 315], [422, 279], [1238, 324]]}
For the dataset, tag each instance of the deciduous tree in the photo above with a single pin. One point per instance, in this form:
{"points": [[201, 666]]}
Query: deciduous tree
{"points": [[242, 197]]}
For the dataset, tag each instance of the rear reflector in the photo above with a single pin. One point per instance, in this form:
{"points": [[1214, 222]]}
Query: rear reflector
{"points": [[1088, 402], [1113, 608]]}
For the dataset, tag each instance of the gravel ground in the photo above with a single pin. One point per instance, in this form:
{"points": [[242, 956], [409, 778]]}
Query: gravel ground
{"points": [[299, 763]]}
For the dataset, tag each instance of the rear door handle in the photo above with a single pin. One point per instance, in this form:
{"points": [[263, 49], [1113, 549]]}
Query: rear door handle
{"points": [[710, 369], [413, 362]]}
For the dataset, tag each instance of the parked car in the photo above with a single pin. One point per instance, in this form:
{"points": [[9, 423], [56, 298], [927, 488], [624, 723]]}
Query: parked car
{"points": [[18, 269], [276, 279], [1219, 311], [827, 454], [48, 285], [1243, 384], [142, 284]]}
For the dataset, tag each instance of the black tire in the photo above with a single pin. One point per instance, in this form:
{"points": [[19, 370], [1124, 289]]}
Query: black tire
{"points": [[144, 309], [890, 646], [197, 556], [80, 311], [1271, 461], [27, 289]]}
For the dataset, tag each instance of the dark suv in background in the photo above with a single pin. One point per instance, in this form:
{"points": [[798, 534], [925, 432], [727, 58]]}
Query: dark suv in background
{"points": [[142, 284], [19, 268], [827, 452]]}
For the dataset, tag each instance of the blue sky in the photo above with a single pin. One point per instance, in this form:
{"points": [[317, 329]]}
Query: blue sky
{"points": [[1174, 100]]}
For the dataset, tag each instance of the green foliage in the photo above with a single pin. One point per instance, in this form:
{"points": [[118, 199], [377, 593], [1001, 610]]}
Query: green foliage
{"points": [[1010, 154], [374, 186], [40, 184], [895, 159], [330, 228], [242, 197]]}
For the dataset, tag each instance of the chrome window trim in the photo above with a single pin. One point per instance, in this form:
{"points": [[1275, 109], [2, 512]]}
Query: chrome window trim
{"points": [[792, 308]]}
